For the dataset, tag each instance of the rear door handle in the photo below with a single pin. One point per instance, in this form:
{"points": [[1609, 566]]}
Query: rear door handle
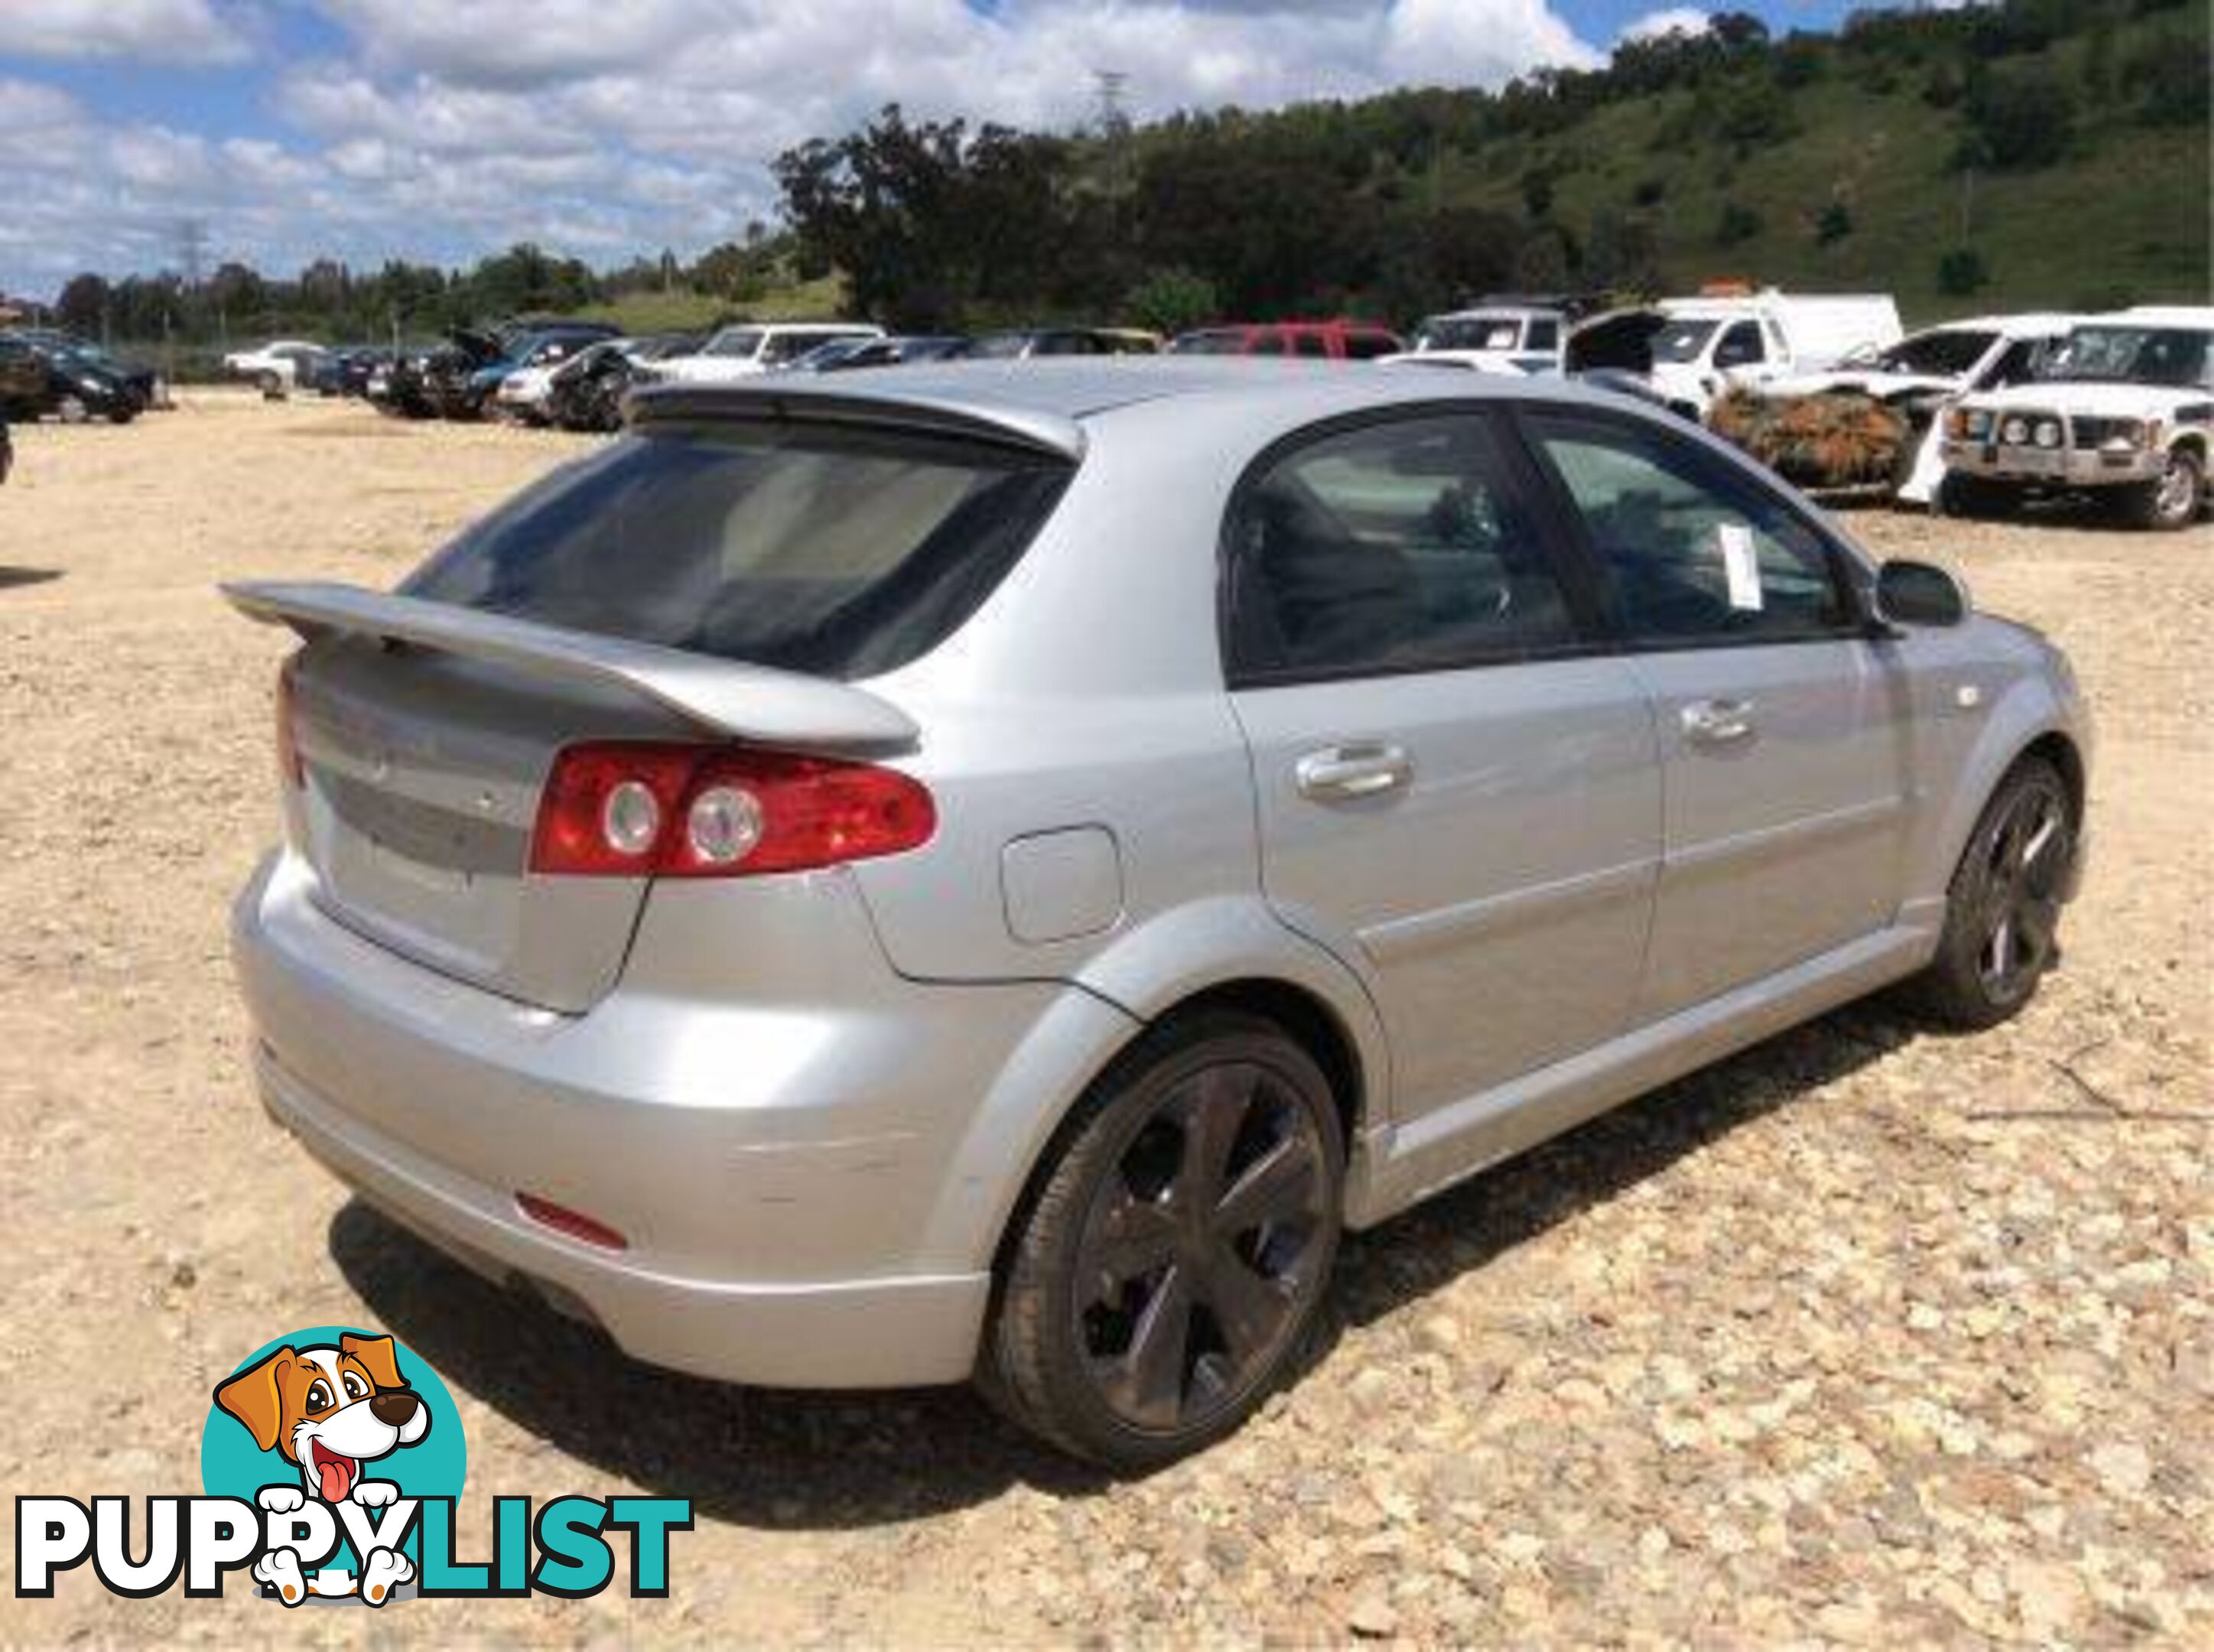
{"points": [[1717, 722], [1347, 773]]}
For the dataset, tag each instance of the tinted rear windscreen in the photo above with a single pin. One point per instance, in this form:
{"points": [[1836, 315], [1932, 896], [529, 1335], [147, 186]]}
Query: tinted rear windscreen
{"points": [[837, 553]]}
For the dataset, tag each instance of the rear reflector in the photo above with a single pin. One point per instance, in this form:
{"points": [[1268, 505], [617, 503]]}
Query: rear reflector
{"points": [[575, 1223], [652, 809]]}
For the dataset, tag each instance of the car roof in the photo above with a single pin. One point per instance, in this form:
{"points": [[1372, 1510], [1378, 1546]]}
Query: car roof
{"points": [[2028, 324], [1046, 404], [2193, 315]]}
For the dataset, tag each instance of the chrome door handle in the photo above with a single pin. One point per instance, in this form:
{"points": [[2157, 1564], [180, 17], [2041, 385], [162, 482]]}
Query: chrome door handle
{"points": [[1717, 722], [1347, 773]]}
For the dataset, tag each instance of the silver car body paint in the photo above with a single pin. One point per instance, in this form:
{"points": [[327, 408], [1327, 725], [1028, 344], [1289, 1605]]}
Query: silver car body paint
{"points": [[811, 1102]]}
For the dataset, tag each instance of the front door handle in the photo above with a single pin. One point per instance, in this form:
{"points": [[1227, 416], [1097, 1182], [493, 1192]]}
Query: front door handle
{"points": [[1347, 773], [1717, 722]]}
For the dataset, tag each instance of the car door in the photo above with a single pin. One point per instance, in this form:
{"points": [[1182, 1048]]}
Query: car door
{"points": [[1783, 732], [1458, 790]]}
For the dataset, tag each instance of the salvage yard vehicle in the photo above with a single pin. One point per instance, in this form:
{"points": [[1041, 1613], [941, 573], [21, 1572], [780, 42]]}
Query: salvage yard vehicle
{"points": [[1031, 343], [753, 347], [849, 355], [1333, 341], [1693, 350], [2124, 414], [1924, 371], [1494, 338], [522, 348], [40, 378], [973, 870], [277, 368]]}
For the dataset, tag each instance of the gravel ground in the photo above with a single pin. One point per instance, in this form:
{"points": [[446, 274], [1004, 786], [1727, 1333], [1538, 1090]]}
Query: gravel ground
{"points": [[1866, 1335]]}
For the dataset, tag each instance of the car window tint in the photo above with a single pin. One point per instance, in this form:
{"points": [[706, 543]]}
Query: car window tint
{"points": [[1687, 552], [1392, 548], [1309, 344], [1265, 344], [1543, 335], [840, 553], [1366, 346]]}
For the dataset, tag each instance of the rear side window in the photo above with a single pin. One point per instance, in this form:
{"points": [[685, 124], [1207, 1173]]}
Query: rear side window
{"points": [[1390, 547], [1309, 344], [1687, 552], [838, 553]]}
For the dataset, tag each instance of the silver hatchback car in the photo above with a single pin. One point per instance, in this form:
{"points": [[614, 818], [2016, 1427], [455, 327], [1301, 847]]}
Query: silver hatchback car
{"points": [[988, 871]]}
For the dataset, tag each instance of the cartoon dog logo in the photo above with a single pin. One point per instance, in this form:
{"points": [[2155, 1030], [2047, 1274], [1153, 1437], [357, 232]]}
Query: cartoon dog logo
{"points": [[329, 1411]]}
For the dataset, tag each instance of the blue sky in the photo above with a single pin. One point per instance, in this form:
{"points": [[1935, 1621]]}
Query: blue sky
{"points": [[443, 129]]}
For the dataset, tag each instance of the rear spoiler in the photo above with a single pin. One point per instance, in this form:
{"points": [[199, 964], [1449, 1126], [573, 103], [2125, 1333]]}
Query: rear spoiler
{"points": [[753, 702]]}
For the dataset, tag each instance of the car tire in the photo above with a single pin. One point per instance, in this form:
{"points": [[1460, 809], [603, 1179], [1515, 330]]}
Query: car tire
{"points": [[1115, 1330], [2002, 906], [272, 386], [2171, 503], [1974, 497]]}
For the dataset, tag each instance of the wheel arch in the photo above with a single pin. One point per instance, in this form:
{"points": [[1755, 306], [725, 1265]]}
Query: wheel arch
{"points": [[2030, 722], [1232, 954]]}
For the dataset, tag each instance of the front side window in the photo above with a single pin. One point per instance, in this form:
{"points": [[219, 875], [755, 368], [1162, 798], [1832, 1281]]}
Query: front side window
{"points": [[2176, 357], [1741, 345], [1543, 335], [840, 553], [1686, 551], [1366, 346], [1309, 344], [1390, 547]]}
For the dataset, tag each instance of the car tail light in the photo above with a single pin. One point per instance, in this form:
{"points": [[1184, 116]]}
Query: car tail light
{"points": [[640, 809], [288, 741]]}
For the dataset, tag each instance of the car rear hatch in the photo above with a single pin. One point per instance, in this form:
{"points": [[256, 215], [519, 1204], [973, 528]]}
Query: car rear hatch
{"points": [[706, 584]]}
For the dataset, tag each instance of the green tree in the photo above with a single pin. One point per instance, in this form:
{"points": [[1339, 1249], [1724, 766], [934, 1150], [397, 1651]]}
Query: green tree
{"points": [[1960, 273], [1172, 301], [2017, 120]]}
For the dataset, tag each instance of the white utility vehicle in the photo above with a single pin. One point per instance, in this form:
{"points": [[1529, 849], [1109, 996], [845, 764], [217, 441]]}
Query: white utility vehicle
{"points": [[1691, 349], [752, 347], [1515, 338], [1924, 371], [2123, 415]]}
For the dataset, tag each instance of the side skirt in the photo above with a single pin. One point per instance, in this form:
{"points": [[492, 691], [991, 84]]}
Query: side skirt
{"points": [[1405, 1164]]}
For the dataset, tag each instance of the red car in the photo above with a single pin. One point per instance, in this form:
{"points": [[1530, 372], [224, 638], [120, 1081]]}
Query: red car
{"points": [[1317, 340]]}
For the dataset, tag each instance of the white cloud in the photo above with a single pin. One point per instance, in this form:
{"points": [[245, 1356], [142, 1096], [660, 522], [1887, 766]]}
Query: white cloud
{"points": [[1671, 20], [160, 31], [606, 127]]}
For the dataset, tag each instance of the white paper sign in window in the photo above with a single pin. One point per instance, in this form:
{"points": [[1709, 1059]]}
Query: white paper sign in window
{"points": [[1740, 564]]}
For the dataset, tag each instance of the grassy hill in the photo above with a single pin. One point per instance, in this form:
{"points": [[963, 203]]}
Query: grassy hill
{"points": [[2122, 217], [686, 310]]}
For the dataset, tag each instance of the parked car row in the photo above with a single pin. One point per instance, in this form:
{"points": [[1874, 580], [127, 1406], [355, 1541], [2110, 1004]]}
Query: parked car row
{"points": [[2141, 440]]}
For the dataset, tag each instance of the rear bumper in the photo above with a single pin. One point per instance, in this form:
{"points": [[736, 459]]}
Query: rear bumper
{"points": [[774, 1167]]}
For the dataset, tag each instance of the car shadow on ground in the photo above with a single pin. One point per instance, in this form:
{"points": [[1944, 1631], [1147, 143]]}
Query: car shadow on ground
{"points": [[781, 1459], [10, 578]]}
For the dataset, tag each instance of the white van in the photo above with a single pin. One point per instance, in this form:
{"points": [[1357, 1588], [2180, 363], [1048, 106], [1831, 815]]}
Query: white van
{"points": [[751, 347], [1691, 349]]}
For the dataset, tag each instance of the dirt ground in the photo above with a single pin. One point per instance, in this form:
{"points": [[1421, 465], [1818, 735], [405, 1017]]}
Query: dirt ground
{"points": [[1867, 1335]]}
